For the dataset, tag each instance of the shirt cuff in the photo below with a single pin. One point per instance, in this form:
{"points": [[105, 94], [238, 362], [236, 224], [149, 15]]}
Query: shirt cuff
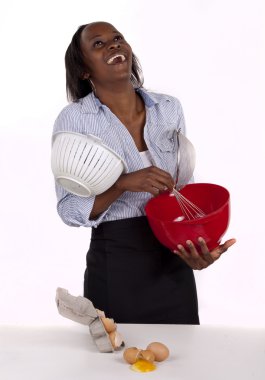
{"points": [[75, 211]]}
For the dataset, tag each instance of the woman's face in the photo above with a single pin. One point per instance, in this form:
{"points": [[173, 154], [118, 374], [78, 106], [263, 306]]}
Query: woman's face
{"points": [[107, 55]]}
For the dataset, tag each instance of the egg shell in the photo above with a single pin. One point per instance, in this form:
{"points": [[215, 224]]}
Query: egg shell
{"points": [[100, 313], [160, 351], [131, 354], [116, 339], [109, 324], [147, 355]]}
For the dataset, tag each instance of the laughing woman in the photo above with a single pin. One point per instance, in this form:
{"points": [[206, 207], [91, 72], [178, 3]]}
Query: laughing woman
{"points": [[129, 274]]}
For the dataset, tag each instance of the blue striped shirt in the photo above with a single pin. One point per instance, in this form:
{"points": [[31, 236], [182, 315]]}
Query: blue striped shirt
{"points": [[88, 116]]}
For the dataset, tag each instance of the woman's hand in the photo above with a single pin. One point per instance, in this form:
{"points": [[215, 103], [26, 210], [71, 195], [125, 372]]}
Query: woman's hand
{"points": [[204, 258], [151, 180]]}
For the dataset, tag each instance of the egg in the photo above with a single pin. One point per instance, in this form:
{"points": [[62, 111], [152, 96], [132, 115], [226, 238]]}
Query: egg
{"points": [[109, 324], [160, 351], [143, 366], [131, 354], [116, 339], [147, 355]]}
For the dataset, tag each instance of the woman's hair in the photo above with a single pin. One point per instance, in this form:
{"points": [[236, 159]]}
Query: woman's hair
{"points": [[76, 86]]}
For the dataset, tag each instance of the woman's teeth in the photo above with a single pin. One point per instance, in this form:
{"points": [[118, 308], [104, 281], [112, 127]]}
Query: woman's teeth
{"points": [[118, 57]]}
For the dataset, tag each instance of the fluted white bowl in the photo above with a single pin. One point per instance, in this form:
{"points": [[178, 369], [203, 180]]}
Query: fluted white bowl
{"points": [[83, 165]]}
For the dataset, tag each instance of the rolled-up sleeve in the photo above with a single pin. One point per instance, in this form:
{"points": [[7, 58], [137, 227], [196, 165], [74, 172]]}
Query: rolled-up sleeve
{"points": [[74, 210]]}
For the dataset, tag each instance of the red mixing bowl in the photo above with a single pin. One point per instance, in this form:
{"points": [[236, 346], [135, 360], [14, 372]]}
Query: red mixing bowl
{"points": [[164, 209]]}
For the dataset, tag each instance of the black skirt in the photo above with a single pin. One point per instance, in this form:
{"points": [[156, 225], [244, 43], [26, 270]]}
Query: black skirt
{"points": [[135, 279]]}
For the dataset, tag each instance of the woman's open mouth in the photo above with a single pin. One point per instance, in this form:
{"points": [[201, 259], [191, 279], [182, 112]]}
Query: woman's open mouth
{"points": [[115, 59]]}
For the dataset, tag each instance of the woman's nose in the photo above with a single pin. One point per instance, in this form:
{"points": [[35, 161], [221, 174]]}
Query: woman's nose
{"points": [[114, 45]]}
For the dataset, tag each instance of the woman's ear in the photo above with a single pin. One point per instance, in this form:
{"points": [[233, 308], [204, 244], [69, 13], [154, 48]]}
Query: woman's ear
{"points": [[85, 76]]}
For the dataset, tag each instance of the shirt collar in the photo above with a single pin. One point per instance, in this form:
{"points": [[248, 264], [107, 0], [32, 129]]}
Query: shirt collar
{"points": [[91, 104], [149, 98]]}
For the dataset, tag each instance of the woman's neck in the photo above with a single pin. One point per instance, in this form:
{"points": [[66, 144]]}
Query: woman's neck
{"points": [[123, 102]]}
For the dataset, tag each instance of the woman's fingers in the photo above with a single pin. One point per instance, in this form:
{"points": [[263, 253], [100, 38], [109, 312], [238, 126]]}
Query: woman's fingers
{"points": [[159, 178], [205, 251], [218, 251], [204, 258], [191, 256], [224, 247], [151, 179]]}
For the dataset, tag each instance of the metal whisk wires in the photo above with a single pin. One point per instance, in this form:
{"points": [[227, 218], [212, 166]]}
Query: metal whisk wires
{"points": [[190, 210]]}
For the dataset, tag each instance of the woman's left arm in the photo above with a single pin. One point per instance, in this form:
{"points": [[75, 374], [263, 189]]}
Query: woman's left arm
{"points": [[204, 258]]}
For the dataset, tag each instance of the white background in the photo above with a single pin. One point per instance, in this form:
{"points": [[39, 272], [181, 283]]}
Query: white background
{"points": [[211, 55]]}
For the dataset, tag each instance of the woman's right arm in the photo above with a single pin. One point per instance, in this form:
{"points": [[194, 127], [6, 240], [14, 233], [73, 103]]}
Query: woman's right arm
{"points": [[151, 180]]}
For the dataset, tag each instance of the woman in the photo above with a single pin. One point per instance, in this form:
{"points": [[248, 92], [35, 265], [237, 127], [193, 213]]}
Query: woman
{"points": [[129, 274]]}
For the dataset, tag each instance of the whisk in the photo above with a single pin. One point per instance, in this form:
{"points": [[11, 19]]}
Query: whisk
{"points": [[189, 209], [185, 162]]}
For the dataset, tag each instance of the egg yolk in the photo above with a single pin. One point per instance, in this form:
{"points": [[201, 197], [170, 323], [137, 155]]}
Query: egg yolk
{"points": [[143, 366]]}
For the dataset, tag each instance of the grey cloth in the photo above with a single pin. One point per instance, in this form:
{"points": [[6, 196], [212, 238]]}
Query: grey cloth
{"points": [[81, 310]]}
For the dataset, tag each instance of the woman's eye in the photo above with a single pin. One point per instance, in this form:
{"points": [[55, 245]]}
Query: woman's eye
{"points": [[98, 43], [118, 38]]}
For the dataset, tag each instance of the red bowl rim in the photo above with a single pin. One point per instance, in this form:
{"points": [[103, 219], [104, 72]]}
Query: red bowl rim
{"points": [[203, 218]]}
